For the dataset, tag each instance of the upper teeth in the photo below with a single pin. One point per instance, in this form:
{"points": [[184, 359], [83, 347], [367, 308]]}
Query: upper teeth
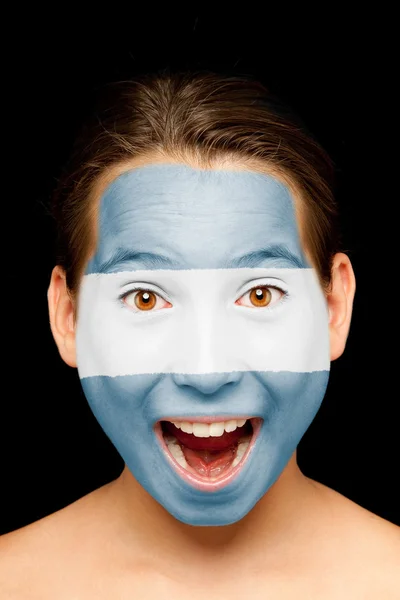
{"points": [[209, 429]]}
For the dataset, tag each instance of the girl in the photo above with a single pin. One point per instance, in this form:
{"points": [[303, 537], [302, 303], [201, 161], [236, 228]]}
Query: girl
{"points": [[201, 294]]}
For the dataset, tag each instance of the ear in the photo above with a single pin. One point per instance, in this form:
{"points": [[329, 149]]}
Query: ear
{"points": [[340, 303], [61, 311]]}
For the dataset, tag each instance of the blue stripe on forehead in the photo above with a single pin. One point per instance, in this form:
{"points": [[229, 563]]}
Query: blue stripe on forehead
{"points": [[168, 216]]}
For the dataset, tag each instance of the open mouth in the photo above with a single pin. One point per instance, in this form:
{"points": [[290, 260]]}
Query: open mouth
{"points": [[208, 453]]}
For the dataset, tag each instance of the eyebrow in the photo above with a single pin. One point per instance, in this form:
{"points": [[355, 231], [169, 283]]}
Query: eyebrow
{"points": [[277, 254], [123, 256]]}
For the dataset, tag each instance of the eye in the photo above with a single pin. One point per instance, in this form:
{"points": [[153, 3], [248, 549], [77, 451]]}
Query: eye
{"points": [[144, 300], [262, 296]]}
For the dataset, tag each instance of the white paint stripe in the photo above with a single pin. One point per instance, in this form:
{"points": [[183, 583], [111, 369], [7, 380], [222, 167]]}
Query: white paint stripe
{"points": [[204, 331]]}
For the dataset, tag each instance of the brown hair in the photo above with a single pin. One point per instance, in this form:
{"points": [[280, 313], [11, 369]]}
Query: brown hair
{"points": [[200, 117]]}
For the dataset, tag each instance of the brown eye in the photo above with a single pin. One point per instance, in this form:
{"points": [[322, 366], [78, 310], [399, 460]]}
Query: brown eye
{"points": [[144, 300], [261, 296]]}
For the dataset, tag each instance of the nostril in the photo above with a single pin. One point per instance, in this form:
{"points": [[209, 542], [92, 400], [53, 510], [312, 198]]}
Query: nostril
{"points": [[207, 383]]}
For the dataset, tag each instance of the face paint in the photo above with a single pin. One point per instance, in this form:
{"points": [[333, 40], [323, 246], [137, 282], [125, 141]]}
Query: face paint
{"points": [[199, 307]]}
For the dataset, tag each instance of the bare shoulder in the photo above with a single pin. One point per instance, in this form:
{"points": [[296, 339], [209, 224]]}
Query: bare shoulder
{"points": [[60, 556], [353, 517], [365, 547], [35, 558]]}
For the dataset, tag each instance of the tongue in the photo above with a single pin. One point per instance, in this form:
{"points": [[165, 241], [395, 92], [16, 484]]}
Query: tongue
{"points": [[209, 456], [208, 463]]}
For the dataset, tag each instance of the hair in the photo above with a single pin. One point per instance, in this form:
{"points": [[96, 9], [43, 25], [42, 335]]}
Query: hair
{"points": [[205, 118]]}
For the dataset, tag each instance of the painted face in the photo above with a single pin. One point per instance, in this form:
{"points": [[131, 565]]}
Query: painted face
{"points": [[199, 308]]}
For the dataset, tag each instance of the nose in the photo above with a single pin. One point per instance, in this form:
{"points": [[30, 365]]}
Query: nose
{"points": [[205, 356], [206, 383]]}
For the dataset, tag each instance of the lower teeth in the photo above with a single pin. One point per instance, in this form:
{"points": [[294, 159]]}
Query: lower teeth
{"points": [[176, 451]]}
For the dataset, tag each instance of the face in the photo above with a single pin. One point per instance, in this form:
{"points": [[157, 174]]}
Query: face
{"points": [[202, 335]]}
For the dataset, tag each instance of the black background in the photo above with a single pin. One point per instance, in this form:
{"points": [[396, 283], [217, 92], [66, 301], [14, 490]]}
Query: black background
{"points": [[337, 76]]}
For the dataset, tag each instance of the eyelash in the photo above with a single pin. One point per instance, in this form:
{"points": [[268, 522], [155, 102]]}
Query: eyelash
{"points": [[284, 293], [283, 297]]}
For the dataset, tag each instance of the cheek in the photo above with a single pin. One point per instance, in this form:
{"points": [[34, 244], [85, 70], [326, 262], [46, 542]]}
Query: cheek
{"points": [[117, 402], [122, 395], [122, 408], [126, 409], [294, 400], [111, 340]]}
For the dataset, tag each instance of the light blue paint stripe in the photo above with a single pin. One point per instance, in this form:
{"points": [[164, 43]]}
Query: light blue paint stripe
{"points": [[183, 205], [128, 407]]}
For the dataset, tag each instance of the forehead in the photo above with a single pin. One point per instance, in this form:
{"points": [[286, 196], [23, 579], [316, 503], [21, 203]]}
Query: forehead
{"points": [[195, 218]]}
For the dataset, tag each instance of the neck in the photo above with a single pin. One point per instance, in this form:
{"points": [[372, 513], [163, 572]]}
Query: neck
{"points": [[270, 526]]}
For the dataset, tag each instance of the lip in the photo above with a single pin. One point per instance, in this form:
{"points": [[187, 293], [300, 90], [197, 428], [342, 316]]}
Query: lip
{"points": [[203, 483]]}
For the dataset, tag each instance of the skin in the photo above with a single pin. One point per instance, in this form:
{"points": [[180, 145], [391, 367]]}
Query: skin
{"points": [[301, 540], [200, 355]]}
